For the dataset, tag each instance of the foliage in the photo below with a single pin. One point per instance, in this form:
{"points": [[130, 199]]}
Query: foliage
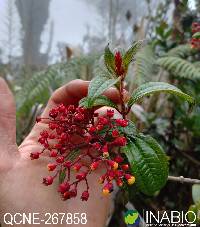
{"points": [[195, 208], [172, 62], [146, 157], [33, 93]]}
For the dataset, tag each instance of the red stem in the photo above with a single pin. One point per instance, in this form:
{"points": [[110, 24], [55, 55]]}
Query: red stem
{"points": [[121, 94]]}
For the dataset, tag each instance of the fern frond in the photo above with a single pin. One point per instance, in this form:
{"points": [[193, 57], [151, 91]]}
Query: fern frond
{"points": [[197, 64], [145, 65], [179, 67], [39, 87], [181, 51], [35, 90]]}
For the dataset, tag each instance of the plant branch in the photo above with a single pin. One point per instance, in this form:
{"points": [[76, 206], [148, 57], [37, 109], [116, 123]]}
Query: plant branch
{"points": [[182, 180]]}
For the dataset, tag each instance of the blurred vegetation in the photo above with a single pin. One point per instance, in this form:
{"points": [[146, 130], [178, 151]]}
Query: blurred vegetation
{"points": [[167, 56]]}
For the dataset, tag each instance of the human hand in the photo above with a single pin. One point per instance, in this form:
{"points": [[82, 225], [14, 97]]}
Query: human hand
{"points": [[21, 190]]}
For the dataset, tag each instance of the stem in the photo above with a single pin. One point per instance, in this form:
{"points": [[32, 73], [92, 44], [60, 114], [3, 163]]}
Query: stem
{"points": [[87, 185], [182, 180], [121, 94]]}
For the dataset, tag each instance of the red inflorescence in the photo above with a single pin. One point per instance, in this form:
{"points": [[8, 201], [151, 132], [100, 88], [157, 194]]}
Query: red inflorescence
{"points": [[97, 137], [195, 42], [119, 69]]}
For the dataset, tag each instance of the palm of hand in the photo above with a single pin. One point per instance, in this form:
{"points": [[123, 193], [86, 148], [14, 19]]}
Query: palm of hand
{"points": [[20, 179]]}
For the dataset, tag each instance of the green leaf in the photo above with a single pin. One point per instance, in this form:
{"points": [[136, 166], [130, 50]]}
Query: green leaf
{"points": [[193, 215], [109, 59], [86, 102], [62, 175], [196, 35], [104, 101], [148, 163], [101, 100], [196, 193], [131, 52], [129, 130], [74, 154], [100, 84], [154, 87]]}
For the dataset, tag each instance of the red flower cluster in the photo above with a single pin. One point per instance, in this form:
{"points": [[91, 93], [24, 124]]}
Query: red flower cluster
{"points": [[195, 42], [97, 137], [119, 69]]}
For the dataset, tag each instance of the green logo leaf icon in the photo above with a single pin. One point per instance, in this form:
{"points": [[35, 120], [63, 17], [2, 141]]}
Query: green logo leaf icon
{"points": [[131, 217]]}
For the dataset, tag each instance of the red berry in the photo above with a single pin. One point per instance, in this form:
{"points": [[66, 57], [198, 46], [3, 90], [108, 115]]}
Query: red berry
{"points": [[42, 140], [53, 154], [122, 122], [63, 187], [105, 151], [99, 127], [71, 108], [96, 146], [64, 137], [94, 165], [81, 176], [115, 133], [60, 159], [119, 182], [66, 195], [53, 125], [107, 188], [113, 164], [67, 164], [102, 179], [110, 113], [119, 159], [125, 167], [92, 129], [77, 167], [120, 141], [119, 173], [48, 180], [103, 120], [111, 174], [59, 130], [52, 136], [34, 155], [88, 138], [81, 109], [53, 113], [130, 179], [85, 196], [51, 166], [79, 117], [61, 108], [44, 134]]}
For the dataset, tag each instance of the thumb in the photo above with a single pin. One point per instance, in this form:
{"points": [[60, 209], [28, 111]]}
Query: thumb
{"points": [[7, 115]]}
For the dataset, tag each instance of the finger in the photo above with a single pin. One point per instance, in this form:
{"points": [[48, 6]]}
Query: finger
{"points": [[73, 92], [103, 112], [70, 93], [7, 114]]}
